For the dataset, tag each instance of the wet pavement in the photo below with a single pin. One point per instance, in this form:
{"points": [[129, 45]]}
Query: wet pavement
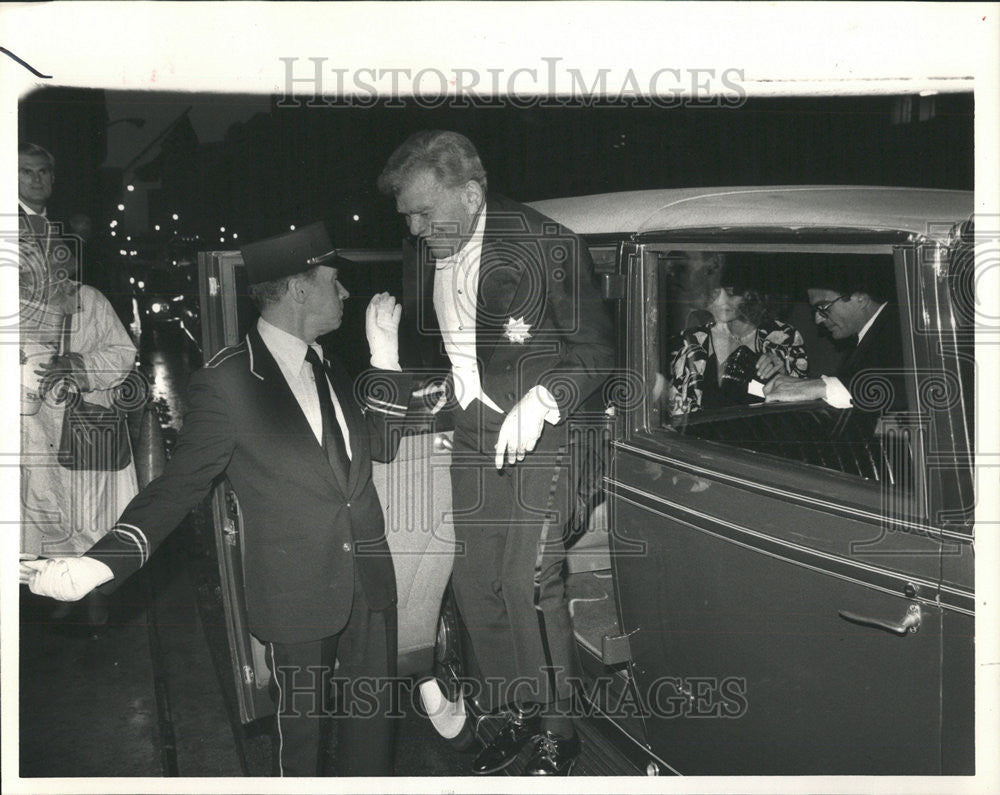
{"points": [[153, 693]]}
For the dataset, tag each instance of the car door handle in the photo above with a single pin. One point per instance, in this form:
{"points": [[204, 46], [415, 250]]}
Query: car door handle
{"points": [[909, 625]]}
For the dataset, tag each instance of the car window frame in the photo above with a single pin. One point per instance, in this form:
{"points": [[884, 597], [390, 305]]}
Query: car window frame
{"points": [[798, 481]]}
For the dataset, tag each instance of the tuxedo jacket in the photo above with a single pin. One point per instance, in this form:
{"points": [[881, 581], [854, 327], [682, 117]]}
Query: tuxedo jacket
{"points": [[57, 246], [28, 235], [540, 319], [878, 355], [305, 533]]}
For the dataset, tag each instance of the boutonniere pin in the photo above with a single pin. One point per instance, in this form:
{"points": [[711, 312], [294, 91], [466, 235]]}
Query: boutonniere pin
{"points": [[516, 330]]}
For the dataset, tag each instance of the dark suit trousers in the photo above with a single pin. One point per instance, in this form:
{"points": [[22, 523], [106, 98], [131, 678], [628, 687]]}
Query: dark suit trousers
{"points": [[358, 698], [508, 571]]}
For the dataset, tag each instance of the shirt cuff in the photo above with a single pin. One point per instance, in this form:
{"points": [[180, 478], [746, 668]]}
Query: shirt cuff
{"points": [[545, 398], [836, 393], [385, 363]]}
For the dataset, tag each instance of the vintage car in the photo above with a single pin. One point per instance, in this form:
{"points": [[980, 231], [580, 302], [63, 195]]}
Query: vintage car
{"points": [[766, 588]]}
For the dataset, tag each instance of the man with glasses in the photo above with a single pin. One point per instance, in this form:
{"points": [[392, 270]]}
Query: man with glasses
{"points": [[852, 302]]}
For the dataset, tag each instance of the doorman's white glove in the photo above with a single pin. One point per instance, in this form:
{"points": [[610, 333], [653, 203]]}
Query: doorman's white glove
{"points": [[65, 579], [382, 330]]}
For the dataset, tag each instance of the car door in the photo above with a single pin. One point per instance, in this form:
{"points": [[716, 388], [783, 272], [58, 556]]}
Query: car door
{"points": [[782, 593], [226, 316]]}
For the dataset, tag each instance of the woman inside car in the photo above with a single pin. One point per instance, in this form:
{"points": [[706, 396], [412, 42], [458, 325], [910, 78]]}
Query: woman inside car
{"points": [[723, 361]]}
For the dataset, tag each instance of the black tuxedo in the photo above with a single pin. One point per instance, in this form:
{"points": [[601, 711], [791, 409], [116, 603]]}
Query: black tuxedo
{"points": [[507, 574], [877, 361], [533, 269], [314, 546]]}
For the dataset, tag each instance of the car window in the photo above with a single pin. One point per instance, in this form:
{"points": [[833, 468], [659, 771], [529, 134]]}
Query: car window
{"points": [[717, 315]]}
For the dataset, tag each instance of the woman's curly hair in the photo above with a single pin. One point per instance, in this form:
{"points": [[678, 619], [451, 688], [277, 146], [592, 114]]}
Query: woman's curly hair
{"points": [[746, 279]]}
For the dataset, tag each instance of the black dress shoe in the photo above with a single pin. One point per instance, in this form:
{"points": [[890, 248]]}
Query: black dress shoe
{"points": [[504, 748], [552, 756]]}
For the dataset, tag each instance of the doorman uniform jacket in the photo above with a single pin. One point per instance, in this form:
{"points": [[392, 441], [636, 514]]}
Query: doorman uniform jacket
{"points": [[305, 532]]}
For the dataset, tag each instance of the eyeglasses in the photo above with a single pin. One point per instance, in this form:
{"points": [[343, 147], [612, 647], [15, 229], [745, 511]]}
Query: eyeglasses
{"points": [[823, 307]]}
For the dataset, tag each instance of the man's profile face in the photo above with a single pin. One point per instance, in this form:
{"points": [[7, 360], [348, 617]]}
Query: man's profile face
{"points": [[325, 299], [34, 181], [444, 216], [844, 317]]}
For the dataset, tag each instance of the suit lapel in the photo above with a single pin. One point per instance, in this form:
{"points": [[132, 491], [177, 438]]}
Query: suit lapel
{"points": [[501, 275], [287, 413], [861, 355]]}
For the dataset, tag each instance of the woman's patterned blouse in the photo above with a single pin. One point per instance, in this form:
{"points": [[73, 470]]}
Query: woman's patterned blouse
{"points": [[687, 370]]}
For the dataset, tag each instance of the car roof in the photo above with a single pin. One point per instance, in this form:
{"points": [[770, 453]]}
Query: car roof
{"points": [[921, 211]]}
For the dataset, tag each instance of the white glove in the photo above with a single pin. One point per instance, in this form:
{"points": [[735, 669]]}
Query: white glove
{"points": [[65, 579], [382, 330], [523, 425]]}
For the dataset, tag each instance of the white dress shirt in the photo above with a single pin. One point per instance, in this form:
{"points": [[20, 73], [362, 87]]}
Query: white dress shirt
{"points": [[290, 354], [29, 211], [456, 290]]}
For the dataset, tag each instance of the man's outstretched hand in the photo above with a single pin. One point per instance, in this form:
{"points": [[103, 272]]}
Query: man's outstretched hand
{"points": [[786, 389], [65, 579]]}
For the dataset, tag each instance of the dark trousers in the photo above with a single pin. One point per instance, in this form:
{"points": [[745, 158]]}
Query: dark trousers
{"points": [[357, 698], [508, 570]]}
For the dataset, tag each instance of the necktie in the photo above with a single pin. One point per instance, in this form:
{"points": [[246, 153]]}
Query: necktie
{"points": [[333, 439]]}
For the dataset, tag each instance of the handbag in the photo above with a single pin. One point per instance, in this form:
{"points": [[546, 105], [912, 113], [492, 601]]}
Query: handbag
{"points": [[94, 437], [738, 371]]}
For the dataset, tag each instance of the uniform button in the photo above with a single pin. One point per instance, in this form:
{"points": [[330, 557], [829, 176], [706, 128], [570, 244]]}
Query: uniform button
{"points": [[347, 547], [510, 396], [459, 292]]}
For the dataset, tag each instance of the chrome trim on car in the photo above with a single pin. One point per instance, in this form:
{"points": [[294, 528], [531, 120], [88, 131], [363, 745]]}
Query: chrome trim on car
{"points": [[815, 502], [893, 583]]}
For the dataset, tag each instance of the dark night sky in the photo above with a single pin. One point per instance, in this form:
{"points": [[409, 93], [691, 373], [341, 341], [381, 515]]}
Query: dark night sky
{"points": [[258, 167]]}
